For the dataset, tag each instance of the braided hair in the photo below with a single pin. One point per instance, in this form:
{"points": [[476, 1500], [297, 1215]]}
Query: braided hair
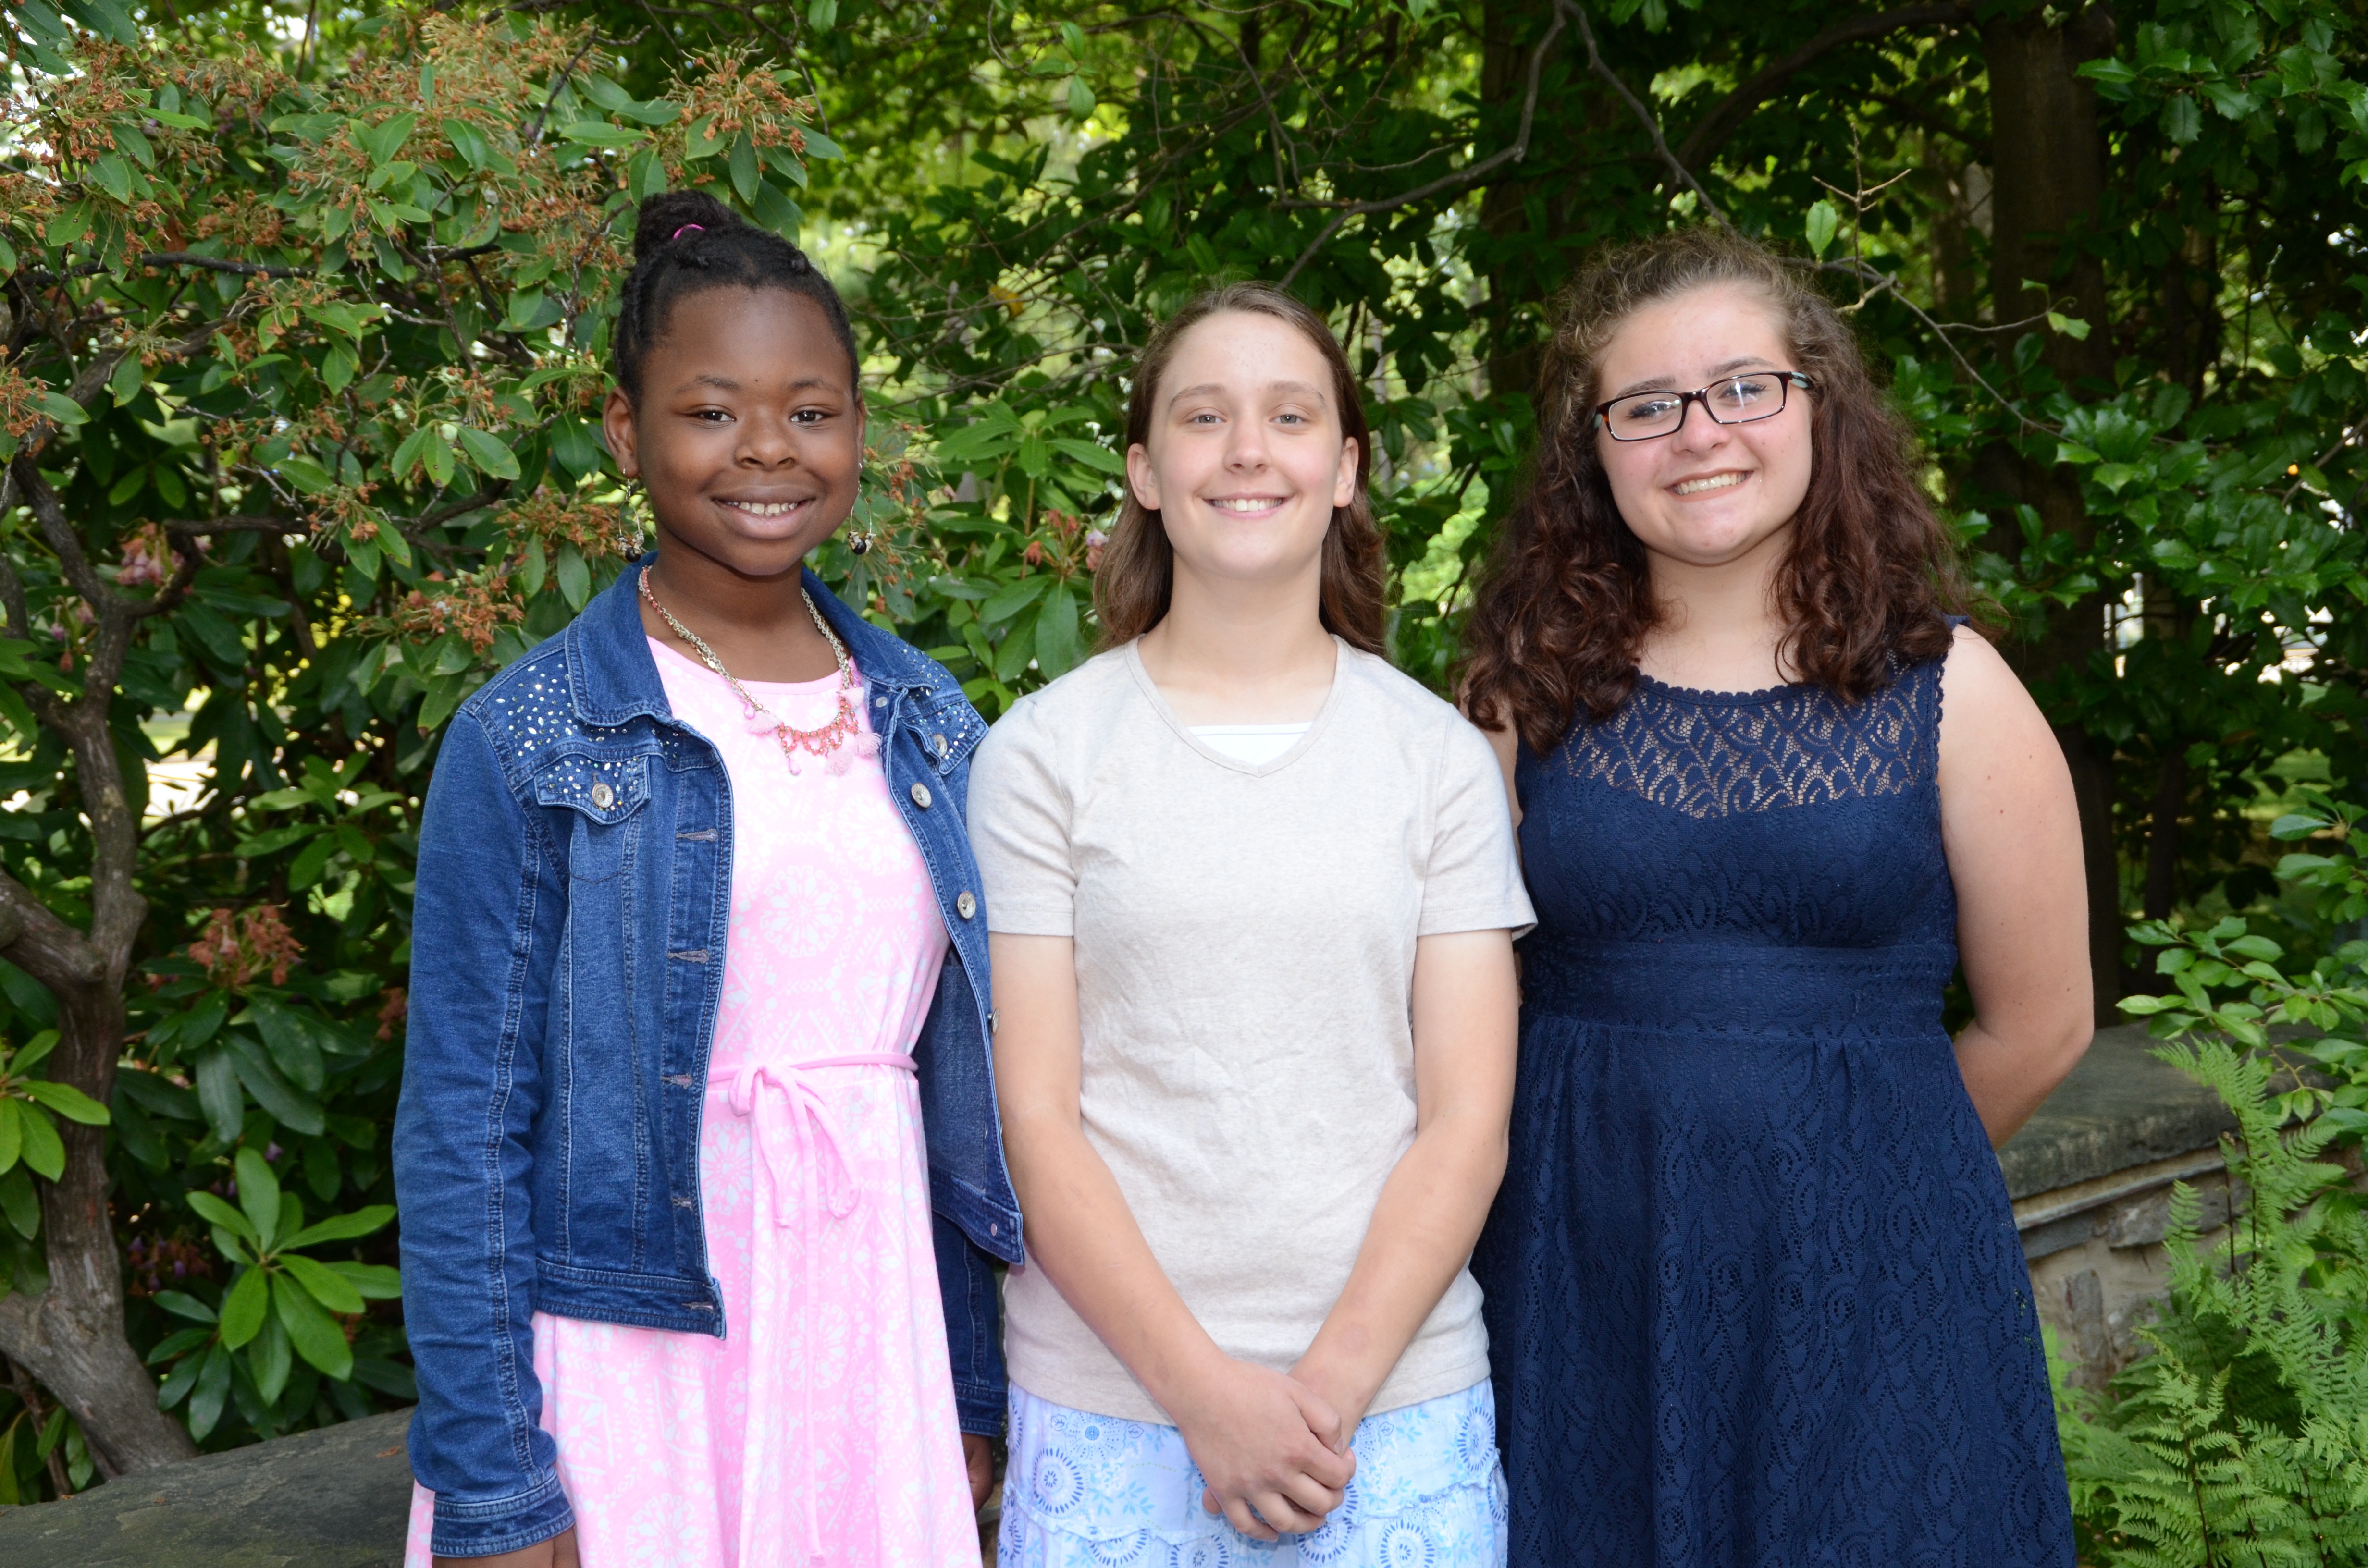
{"points": [[685, 241]]}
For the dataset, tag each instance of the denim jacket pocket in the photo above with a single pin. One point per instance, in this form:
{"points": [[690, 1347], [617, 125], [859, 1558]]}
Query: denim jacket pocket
{"points": [[601, 796]]}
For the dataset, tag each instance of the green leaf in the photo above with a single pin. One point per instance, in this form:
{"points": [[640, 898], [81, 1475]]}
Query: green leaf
{"points": [[213, 1386], [439, 459], [243, 1307], [216, 1211], [127, 382], [21, 1203], [2295, 825], [2070, 326], [311, 1329], [1098, 458], [330, 1290], [2182, 119], [1081, 98], [259, 1194], [821, 13], [184, 1306], [268, 1358], [744, 168], [600, 133], [12, 1136], [467, 141], [2256, 947], [311, 861], [68, 1102], [819, 146], [34, 1052], [307, 475], [493, 459], [42, 1152], [292, 1110], [1824, 221], [343, 1227], [575, 575], [374, 1281], [1009, 600], [1057, 648], [61, 409], [113, 175], [288, 1035]]}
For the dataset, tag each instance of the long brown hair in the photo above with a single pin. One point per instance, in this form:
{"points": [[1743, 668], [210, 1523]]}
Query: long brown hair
{"points": [[1138, 566], [1865, 588]]}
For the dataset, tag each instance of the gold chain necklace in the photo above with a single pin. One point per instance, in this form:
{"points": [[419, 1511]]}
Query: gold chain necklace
{"points": [[829, 742]]}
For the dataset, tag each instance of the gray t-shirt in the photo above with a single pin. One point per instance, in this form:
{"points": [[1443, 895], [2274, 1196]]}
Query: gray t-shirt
{"points": [[1245, 952]]}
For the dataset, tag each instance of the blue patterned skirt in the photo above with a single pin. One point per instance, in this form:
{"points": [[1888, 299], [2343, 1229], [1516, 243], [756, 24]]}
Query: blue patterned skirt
{"points": [[1085, 1491]]}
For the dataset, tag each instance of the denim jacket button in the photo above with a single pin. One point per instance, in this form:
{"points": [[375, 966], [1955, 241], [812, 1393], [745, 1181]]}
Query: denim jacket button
{"points": [[921, 795], [965, 904], [603, 797], [939, 744]]}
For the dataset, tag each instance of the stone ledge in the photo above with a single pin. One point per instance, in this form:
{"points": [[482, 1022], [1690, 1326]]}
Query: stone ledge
{"points": [[2119, 1111], [337, 1497]]}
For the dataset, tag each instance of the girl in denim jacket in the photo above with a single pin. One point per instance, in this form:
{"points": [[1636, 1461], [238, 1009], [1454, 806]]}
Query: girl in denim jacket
{"points": [[697, 1153]]}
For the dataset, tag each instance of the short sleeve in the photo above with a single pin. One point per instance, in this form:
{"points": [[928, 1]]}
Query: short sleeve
{"points": [[1473, 882], [1020, 829]]}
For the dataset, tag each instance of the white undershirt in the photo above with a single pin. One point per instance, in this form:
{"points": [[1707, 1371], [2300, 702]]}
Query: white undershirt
{"points": [[1257, 745]]}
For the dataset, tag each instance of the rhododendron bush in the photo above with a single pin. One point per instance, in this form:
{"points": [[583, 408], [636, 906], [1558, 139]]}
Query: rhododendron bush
{"points": [[297, 405]]}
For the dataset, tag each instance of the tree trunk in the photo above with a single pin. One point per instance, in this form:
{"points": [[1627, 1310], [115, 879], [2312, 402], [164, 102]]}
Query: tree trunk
{"points": [[2049, 178], [71, 1336]]}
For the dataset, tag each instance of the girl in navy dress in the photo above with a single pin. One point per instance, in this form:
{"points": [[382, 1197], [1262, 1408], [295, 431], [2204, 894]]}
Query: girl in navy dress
{"points": [[1753, 1289]]}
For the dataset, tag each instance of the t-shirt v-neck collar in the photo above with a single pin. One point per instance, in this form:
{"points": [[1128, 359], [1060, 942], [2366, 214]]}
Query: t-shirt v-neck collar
{"points": [[1341, 654]]}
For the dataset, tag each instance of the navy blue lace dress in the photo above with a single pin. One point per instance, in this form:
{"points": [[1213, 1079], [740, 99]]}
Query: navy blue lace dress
{"points": [[1754, 1297]]}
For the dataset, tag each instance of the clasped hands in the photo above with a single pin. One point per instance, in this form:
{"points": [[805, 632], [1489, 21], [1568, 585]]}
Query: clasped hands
{"points": [[1274, 1449]]}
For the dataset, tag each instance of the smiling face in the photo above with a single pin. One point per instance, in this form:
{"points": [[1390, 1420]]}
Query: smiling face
{"points": [[1245, 459], [749, 433], [1710, 494]]}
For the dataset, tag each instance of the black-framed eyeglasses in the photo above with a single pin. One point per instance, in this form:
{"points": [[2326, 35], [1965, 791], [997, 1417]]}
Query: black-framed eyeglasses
{"points": [[1730, 400]]}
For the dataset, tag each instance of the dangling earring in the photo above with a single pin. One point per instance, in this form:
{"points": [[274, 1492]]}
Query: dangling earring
{"points": [[630, 532]]}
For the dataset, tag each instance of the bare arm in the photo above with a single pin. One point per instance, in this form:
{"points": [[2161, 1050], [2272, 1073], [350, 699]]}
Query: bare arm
{"points": [[1466, 1015], [1261, 1439], [2012, 835]]}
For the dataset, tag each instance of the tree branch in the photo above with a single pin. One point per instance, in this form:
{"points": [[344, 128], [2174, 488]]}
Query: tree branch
{"points": [[1731, 111], [42, 945], [1516, 152], [236, 523], [1643, 116]]}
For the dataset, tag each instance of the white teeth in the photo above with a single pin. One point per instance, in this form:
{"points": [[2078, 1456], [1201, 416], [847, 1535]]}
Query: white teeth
{"points": [[1716, 482], [1245, 503], [765, 509]]}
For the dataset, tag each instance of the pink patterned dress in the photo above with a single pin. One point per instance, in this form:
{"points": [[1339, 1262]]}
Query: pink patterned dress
{"points": [[821, 1429]]}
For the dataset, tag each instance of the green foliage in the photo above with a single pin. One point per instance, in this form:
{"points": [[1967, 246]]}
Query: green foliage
{"points": [[2242, 1437], [281, 1303]]}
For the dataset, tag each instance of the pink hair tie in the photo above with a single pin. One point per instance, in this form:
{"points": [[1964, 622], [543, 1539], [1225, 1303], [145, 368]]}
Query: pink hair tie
{"points": [[684, 230]]}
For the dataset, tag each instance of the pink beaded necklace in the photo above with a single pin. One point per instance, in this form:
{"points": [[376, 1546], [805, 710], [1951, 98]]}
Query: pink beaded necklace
{"points": [[831, 742]]}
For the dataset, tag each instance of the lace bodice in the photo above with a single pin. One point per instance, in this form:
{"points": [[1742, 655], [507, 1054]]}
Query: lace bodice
{"points": [[1784, 817]]}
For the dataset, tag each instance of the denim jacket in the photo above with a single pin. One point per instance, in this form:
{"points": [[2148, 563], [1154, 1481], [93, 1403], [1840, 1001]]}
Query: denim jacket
{"points": [[574, 887]]}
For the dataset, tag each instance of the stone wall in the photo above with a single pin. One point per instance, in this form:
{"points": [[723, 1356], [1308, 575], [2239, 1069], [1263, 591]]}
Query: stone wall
{"points": [[335, 1498], [2092, 1176]]}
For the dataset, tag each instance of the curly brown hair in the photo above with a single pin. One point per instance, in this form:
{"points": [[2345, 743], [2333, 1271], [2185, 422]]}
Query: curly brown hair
{"points": [[1868, 584], [1138, 566]]}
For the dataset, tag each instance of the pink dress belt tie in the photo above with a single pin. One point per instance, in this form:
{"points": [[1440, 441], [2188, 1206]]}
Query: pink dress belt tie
{"points": [[802, 1148]]}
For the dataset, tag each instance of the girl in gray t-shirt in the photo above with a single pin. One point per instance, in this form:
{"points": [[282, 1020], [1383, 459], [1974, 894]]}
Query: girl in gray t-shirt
{"points": [[1251, 894]]}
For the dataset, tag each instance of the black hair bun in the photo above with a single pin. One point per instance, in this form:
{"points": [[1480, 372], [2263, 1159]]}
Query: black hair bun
{"points": [[662, 216]]}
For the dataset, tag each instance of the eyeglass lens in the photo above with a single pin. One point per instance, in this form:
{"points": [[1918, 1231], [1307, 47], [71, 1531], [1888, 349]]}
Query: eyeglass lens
{"points": [[1732, 400]]}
